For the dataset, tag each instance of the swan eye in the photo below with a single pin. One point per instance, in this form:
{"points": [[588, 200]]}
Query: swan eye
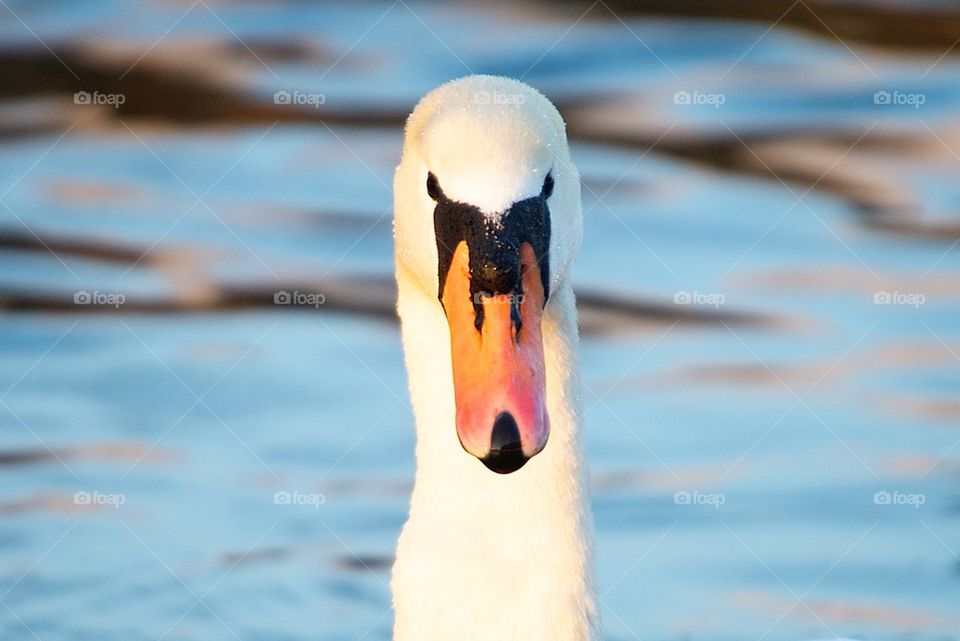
{"points": [[433, 187], [547, 187]]}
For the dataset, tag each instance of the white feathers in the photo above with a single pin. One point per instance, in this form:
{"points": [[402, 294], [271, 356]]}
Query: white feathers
{"points": [[485, 556], [490, 142]]}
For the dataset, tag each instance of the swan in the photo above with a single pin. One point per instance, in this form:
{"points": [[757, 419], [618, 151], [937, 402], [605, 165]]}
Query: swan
{"points": [[487, 221]]}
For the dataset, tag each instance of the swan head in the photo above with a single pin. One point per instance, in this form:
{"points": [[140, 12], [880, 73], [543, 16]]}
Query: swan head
{"points": [[487, 221]]}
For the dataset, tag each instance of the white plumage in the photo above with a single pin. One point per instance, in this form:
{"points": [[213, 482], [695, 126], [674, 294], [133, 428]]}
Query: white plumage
{"points": [[484, 555]]}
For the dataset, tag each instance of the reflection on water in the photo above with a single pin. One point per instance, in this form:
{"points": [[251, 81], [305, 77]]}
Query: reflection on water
{"points": [[768, 286]]}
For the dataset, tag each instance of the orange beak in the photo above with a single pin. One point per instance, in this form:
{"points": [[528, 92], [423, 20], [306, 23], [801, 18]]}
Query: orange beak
{"points": [[498, 368]]}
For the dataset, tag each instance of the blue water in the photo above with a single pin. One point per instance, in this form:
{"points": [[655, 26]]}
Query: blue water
{"points": [[181, 428]]}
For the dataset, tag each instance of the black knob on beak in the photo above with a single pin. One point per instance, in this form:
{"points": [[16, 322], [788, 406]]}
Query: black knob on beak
{"points": [[506, 454], [497, 277]]}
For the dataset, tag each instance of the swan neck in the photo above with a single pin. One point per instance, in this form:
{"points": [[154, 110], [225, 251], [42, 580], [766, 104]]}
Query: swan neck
{"points": [[486, 547]]}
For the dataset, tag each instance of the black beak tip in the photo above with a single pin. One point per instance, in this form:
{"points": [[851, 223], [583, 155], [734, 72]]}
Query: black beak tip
{"points": [[506, 453]]}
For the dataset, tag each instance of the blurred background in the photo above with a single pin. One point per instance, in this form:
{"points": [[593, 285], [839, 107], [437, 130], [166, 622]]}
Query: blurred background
{"points": [[204, 426]]}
